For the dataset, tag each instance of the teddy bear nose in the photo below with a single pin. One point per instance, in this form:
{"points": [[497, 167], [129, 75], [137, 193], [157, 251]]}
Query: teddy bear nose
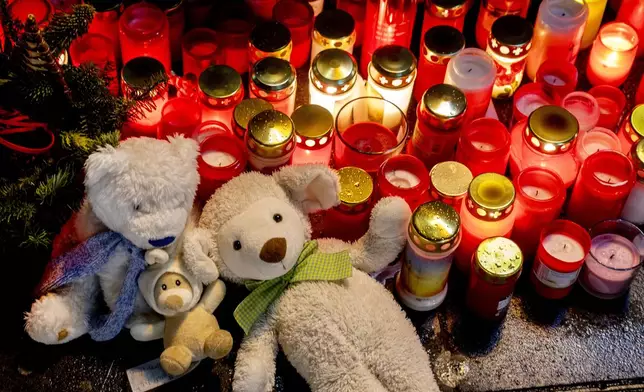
{"points": [[173, 302], [162, 242], [273, 250]]}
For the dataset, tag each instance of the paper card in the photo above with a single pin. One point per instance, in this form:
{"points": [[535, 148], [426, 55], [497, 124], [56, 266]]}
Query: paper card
{"points": [[150, 375]]}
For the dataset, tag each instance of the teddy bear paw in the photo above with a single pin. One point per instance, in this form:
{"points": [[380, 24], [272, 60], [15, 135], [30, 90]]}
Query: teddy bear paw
{"points": [[218, 344], [389, 218], [52, 321], [176, 360], [156, 256]]}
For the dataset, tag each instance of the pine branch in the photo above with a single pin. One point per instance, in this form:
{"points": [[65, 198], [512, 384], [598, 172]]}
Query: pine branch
{"points": [[46, 190], [15, 210], [64, 28], [8, 26], [36, 239]]}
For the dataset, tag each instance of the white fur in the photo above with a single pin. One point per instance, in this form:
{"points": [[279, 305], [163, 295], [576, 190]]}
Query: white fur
{"points": [[144, 190]]}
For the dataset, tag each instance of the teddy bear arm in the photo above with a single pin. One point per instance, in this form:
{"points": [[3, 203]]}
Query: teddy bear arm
{"points": [[213, 295], [255, 364]]}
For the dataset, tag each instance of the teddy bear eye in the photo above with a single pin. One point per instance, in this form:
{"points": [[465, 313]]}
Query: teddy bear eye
{"points": [[164, 287], [277, 218], [237, 245], [177, 282]]}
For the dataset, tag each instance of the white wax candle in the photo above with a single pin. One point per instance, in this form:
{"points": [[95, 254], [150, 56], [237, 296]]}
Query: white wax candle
{"points": [[537, 193], [218, 158], [584, 107], [482, 146], [402, 179], [554, 80], [563, 247], [609, 178], [530, 102], [470, 70], [610, 265]]}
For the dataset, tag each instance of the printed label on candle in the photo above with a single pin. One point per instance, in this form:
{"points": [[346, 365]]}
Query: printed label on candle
{"points": [[554, 279], [503, 304]]}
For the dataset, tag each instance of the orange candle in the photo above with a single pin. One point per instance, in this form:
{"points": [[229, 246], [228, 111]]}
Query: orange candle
{"points": [[612, 55]]}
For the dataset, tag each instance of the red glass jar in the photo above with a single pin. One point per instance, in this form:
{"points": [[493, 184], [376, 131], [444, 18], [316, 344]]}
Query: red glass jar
{"points": [[484, 146], [270, 141], [584, 107], [144, 31], [357, 9], [595, 140], [297, 15], [491, 10], [496, 267], [233, 38], [612, 103], [530, 97], [404, 176], [98, 50], [444, 13], [540, 197], [605, 181], [333, 29], [106, 22], [440, 44], [559, 77], [487, 212], [274, 80], [42, 10], [563, 246], [632, 129], [438, 127], [179, 116], [313, 135], [449, 182], [200, 51], [176, 14], [244, 112], [270, 39], [209, 128], [220, 90]]}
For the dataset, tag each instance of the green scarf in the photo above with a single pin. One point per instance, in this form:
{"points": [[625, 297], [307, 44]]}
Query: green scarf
{"points": [[310, 266]]}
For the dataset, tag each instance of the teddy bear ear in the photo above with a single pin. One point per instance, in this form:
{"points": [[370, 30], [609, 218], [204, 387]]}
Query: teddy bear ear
{"points": [[103, 161], [311, 187], [187, 149]]}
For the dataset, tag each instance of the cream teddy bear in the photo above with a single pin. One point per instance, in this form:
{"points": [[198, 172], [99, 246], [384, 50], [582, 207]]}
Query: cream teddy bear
{"points": [[340, 329]]}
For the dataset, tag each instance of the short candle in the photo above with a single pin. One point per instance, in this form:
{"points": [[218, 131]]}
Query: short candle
{"points": [[612, 55]]}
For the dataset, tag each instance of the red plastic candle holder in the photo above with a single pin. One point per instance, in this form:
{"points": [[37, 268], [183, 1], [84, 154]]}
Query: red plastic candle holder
{"points": [[595, 140], [274, 80], [530, 97], [563, 246], [179, 116], [233, 38], [175, 12], [639, 96], [612, 103], [584, 107], [144, 31], [612, 55], [484, 146], [200, 50], [106, 22], [209, 128], [222, 158], [444, 13], [297, 16], [559, 78], [404, 176], [357, 9], [42, 10], [313, 135], [98, 50], [491, 10], [262, 9]]}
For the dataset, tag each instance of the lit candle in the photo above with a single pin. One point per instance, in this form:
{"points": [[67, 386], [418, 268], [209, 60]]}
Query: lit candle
{"points": [[144, 31], [221, 89], [612, 102], [234, 35], [209, 128], [449, 182], [444, 13], [632, 129], [404, 176], [269, 39], [244, 112], [98, 50], [484, 146], [333, 80], [585, 109], [529, 98], [632, 13], [559, 79], [612, 55], [595, 15], [357, 9], [333, 29], [297, 16], [491, 10], [199, 51], [392, 73], [106, 21], [596, 139], [42, 10], [274, 80], [634, 208], [270, 141], [179, 116], [557, 33], [313, 135], [473, 71]]}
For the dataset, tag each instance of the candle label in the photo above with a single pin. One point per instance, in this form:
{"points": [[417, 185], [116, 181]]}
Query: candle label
{"points": [[552, 278], [422, 276]]}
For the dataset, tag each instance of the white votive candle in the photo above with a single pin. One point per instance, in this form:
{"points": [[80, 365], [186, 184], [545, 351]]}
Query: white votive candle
{"points": [[563, 248], [218, 158], [537, 193], [402, 179]]}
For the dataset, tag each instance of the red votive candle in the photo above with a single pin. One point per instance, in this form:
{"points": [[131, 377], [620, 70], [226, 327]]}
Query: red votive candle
{"points": [[449, 182], [444, 13], [404, 176], [233, 39], [221, 89], [605, 181], [209, 128], [484, 146], [530, 97], [585, 109], [144, 31], [540, 197], [632, 129], [199, 51], [313, 135], [42, 10], [176, 14], [357, 9], [179, 115], [365, 138], [270, 141], [612, 102], [106, 21], [98, 50], [563, 246], [222, 158], [612, 55], [269, 39], [491, 10], [297, 16], [595, 140], [559, 77]]}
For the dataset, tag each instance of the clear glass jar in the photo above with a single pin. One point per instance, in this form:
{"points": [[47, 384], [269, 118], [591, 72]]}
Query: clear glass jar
{"points": [[392, 73], [333, 80]]}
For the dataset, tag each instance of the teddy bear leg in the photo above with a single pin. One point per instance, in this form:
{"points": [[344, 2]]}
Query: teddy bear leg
{"points": [[218, 344], [355, 379], [176, 360]]}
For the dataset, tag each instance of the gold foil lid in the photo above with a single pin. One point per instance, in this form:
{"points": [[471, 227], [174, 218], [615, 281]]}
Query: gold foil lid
{"points": [[312, 123], [450, 180], [510, 37], [498, 259], [334, 25], [270, 37], [441, 43], [551, 130], [637, 154], [393, 66], [490, 197], [140, 71], [334, 71], [270, 134], [220, 82], [246, 110], [272, 79], [636, 130], [446, 9], [444, 106], [435, 227], [356, 186]]}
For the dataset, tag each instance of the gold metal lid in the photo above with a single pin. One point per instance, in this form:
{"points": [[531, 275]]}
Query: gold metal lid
{"points": [[441, 43], [270, 37], [490, 197], [635, 131], [637, 155], [450, 180], [138, 72], [270, 134], [510, 36], [312, 123], [444, 106], [446, 9], [435, 227], [246, 110], [356, 186], [334, 24], [393, 66], [272, 79], [498, 259], [220, 81], [551, 130], [334, 71]]}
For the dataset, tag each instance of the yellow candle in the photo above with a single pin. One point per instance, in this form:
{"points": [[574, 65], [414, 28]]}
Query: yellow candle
{"points": [[595, 14]]}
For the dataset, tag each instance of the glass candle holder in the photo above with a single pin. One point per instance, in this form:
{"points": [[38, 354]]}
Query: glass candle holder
{"points": [[270, 141], [530, 97], [614, 259], [42, 10], [496, 267], [244, 112], [357, 10], [439, 45], [209, 128], [365, 136], [595, 15], [473, 71], [200, 51], [484, 146], [106, 22], [136, 77], [444, 13], [313, 135], [491, 10], [612, 103], [432, 236], [557, 33], [392, 73], [297, 16], [540, 197], [634, 208], [584, 107], [563, 247], [559, 79], [612, 55], [333, 80], [270, 39], [546, 139], [631, 12], [175, 12], [98, 50], [234, 35], [144, 31], [632, 129], [262, 9], [449, 182], [605, 180], [222, 158], [487, 212], [274, 80], [333, 29], [508, 45], [596, 139], [179, 116], [390, 22], [404, 176], [439, 120], [220, 90]]}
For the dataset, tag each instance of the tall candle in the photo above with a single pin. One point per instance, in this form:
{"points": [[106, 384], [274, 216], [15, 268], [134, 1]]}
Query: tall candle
{"points": [[136, 77], [357, 9], [444, 13], [233, 39], [270, 141], [106, 22], [220, 90], [449, 182], [175, 12], [596, 139], [333, 29], [612, 55], [144, 31], [595, 15], [392, 73], [244, 112], [585, 109], [298, 17], [333, 80], [491, 10], [274, 80], [269, 39], [199, 50], [634, 208]]}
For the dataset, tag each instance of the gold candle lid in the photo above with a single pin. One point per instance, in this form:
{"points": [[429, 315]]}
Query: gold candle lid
{"points": [[450, 180], [490, 197], [270, 37], [446, 9], [246, 110], [393, 66], [510, 37], [313, 125], [637, 155], [435, 227], [498, 259], [441, 43], [551, 130], [270, 134], [139, 73], [444, 106], [356, 187], [636, 121], [220, 85], [334, 71], [272, 79], [334, 29]]}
